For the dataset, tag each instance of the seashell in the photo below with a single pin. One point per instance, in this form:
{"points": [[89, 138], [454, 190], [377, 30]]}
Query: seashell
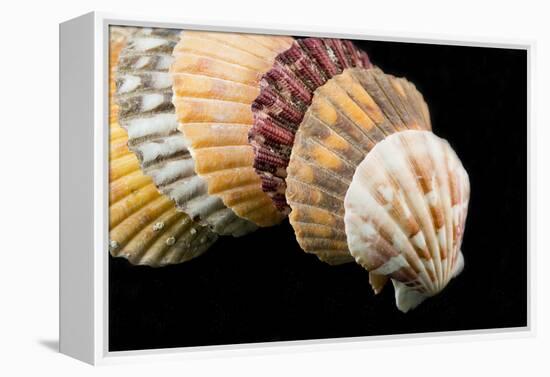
{"points": [[216, 78], [348, 115], [144, 225], [286, 93], [118, 36], [144, 94], [405, 212]]}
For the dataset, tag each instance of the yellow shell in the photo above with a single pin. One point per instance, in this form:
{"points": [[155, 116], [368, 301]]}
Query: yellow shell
{"points": [[347, 117], [144, 226], [215, 80]]}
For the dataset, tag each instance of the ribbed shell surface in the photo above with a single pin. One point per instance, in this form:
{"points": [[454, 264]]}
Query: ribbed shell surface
{"points": [[405, 213], [216, 77], [286, 93], [348, 116], [144, 94], [144, 226]]}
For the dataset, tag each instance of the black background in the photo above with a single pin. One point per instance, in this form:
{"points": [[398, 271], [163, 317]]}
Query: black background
{"points": [[262, 287]]}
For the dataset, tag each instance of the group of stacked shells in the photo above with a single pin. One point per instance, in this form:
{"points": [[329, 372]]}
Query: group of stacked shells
{"points": [[217, 134]]}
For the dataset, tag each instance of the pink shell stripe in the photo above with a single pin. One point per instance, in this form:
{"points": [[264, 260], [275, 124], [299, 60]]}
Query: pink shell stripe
{"points": [[286, 91]]}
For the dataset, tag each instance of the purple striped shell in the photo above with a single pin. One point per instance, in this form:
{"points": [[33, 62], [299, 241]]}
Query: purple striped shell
{"points": [[286, 91]]}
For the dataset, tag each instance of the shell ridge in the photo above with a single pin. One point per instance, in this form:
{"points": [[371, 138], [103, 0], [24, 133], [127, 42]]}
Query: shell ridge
{"points": [[388, 223], [125, 184], [451, 164], [403, 105], [132, 225], [409, 200], [261, 42], [161, 244], [313, 140], [176, 55], [443, 176], [296, 74], [413, 102], [143, 241], [395, 100], [435, 150], [389, 176], [148, 114], [345, 135], [370, 135], [327, 171], [337, 231], [315, 188], [224, 46], [386, 88], [321, 190], [231, 39], [151, 243], [153, 164], [320, 208], [390, 123], [435, 246], [214, 100], [182, 242], [133, 188], [135, 202], [131, 203], [202, 75], [421, 105]]}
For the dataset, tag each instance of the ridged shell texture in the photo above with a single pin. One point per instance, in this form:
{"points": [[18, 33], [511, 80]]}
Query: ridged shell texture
{"points": [[216, 77], [405, 212], [144, 226], [286, 93], [144, 94], [348, 116]]}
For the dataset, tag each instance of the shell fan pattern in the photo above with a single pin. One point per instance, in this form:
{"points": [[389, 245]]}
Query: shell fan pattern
{"points": [[286, 93], [216, 78], [144, 95], [221, 133], [348, 116], [405, 212], [144, 225]]}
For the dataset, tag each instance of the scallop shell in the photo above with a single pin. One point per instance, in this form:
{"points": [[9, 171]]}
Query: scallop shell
{"points": [[216, 77], [144, 226], [349, 114], [405, 212], [118, 36], [286, 93], [144, 94]]}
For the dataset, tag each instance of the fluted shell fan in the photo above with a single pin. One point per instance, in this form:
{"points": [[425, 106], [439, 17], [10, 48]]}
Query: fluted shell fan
{"points": [[144, 225], [216, 78], [286, 93], [405, 212], [144, 94], [347, 117]]}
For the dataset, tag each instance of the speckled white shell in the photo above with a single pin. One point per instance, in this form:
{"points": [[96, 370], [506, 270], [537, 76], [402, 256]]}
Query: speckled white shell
{"points": [[144, 95], [405, 212]]}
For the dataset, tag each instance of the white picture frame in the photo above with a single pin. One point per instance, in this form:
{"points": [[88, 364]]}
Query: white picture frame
{"points": [[83, 222]]}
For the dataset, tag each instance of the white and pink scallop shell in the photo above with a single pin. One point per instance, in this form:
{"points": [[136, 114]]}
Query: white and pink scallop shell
{"points": [[405, 212]]}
